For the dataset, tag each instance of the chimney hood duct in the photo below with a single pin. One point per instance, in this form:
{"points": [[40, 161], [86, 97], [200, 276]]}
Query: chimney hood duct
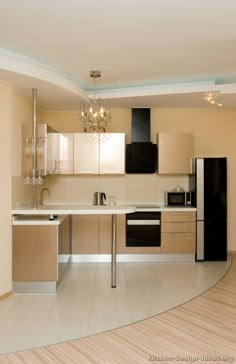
{"points": [[141, 154]]}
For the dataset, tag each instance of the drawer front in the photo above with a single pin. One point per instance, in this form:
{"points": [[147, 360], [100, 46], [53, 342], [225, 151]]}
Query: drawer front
{"points": [[178, 216], [178, 243], [178, 227]]}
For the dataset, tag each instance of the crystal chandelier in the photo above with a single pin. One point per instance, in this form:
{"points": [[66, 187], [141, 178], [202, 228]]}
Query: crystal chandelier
{"points": [[211, 98], [95, 115]]}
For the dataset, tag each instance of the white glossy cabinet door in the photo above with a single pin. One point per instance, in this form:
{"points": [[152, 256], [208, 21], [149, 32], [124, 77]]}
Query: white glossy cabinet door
{"points": [[66, 164], [53, 153], [60, 153], [86, 153], [175, 152], [112, 153]]}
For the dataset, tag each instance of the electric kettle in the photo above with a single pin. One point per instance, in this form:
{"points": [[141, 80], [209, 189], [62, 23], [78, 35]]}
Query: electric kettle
{"points": [[98, 198]]}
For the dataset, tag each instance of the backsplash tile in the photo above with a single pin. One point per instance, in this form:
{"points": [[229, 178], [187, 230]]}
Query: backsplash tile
{"points": [[136, 188]]}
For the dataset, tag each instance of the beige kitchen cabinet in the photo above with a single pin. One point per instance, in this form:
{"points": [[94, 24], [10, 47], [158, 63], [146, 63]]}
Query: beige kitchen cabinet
{"points": [[178, 232], [112, 153], [86, 153], [99, 153], [64, 245], [37, 249], [175, 153], [60, 153], [84, 234], [35, 253], [91, 234], [105, 233], [64, 242]]}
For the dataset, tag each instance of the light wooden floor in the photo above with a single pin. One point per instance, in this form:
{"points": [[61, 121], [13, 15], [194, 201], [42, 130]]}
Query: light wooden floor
{"points": [[202, 330]]}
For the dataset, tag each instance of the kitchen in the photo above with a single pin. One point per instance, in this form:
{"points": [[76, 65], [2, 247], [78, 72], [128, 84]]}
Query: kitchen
{"points": [[128, 188], [148, 59], [212, 128], [119, 186], [173, 150]]}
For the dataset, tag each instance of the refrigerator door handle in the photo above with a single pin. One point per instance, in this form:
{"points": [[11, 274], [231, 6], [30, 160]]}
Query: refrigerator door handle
{"points": [[200, 188], [200, 241]]}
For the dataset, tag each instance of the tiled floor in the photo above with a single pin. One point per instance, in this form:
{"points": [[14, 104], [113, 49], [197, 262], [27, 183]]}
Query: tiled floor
{"points": [[85, 303]]}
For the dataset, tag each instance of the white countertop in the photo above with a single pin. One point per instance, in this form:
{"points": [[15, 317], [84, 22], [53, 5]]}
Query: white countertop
{"points": [[77, 209], [37, 220], [74, 210], [165, 208]]}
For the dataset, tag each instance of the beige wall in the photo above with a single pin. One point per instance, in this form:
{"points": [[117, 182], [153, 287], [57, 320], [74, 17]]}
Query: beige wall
{"points": [[5, 203], [22, 113], [14, 110], [214, 135]]}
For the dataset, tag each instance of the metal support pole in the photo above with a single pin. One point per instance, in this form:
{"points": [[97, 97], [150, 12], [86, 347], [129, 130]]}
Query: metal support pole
{"points": [[34, 186], [113, 252]]}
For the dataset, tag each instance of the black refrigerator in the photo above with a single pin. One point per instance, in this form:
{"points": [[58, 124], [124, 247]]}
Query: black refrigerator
{"points": [[209, 187]]}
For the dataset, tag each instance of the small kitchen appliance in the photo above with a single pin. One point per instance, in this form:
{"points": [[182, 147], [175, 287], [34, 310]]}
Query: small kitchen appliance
{"points": [[98, 198], [178, 198]]}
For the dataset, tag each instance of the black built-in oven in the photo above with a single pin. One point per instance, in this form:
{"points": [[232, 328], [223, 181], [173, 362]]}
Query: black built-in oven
{"points": [[143, 229]]}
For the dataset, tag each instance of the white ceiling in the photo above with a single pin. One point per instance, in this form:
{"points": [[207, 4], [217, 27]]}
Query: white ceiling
{"points": [[155, 53]]}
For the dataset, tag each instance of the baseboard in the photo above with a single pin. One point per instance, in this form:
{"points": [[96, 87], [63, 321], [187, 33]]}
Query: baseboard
{"points": [[5, 295], [132, 258]]}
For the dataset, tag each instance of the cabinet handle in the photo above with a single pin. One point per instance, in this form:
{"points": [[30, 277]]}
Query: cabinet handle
{"points": [[176, 233], [178, 213], [143, 222], [178, 222], [57, 165]]}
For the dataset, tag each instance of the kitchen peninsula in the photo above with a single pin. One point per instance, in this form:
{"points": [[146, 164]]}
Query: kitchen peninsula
{"points": [[53, 212]]}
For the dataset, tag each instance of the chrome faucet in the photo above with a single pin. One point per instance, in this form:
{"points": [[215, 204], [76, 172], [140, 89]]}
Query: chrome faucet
{"points": [[41, 195]]}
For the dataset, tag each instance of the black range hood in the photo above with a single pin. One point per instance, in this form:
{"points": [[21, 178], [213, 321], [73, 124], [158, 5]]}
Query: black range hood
{"points": [[141, 154]]}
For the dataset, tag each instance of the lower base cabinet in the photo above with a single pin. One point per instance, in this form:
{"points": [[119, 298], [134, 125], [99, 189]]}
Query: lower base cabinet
{"points": [[64, 246], [92, 234], [178, 232], [37, 250]]}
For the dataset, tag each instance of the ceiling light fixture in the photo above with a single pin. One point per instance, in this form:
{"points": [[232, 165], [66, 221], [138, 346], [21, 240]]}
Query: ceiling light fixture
{"points": [[95, 115], [211, 98]]}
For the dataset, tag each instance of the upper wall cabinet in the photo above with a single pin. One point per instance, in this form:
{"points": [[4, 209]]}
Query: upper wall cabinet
{"points": [[54, 151], [86, 153], [112, 153], [60, 153], [175, 152], [99, 153]]}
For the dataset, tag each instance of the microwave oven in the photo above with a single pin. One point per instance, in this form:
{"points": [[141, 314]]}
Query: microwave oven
{"points": [[178, 198]]}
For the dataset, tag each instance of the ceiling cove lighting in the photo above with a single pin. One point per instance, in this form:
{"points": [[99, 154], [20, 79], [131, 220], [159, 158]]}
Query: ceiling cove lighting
{"points": [[211, 97], [94, 115]]}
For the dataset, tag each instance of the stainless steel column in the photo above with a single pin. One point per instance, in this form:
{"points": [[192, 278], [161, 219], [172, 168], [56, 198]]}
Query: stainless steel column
{"points": [[113, 251]]}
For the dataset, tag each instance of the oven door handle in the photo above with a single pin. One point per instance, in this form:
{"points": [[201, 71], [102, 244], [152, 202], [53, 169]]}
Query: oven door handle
{"points": [[143, 222]]}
